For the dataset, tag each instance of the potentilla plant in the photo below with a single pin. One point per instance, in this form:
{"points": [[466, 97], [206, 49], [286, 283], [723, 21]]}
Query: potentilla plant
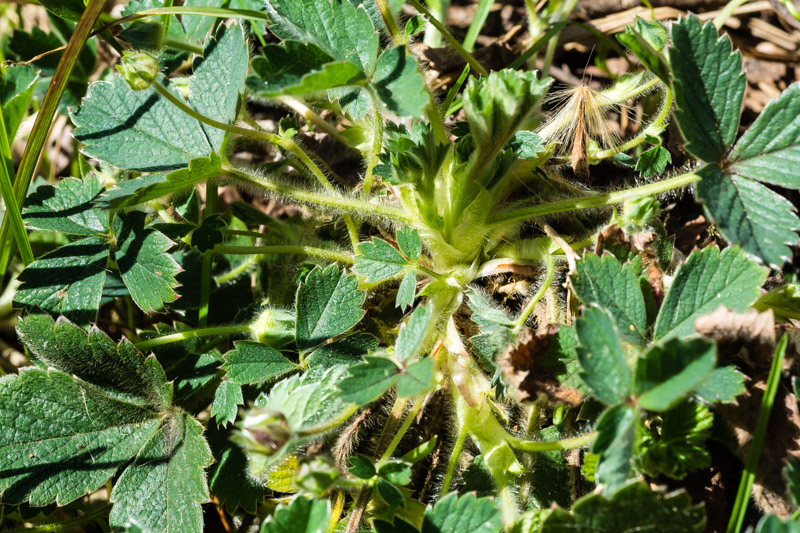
{"points": [[356, 366]]}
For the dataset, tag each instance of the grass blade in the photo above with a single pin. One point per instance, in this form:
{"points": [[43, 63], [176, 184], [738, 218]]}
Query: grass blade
{"points": [[7, 191]]}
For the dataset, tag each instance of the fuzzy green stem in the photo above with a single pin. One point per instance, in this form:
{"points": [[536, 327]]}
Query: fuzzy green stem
{"points": [[67, 524], [391, 22], [598, 200], [377, 142], [473, 63], [458, 445], [180, 45], [307, 113], [290, 249], [550, 446], [410, 416], [212, 194], [550, 265], [191, 334], [754, 454]]}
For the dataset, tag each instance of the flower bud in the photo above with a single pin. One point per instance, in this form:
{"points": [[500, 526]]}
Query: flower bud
{"points": [[138, 69], [274, 327]]}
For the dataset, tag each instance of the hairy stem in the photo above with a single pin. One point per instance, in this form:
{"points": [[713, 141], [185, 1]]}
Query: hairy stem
{"points": [[290, 249], [549, 446], [550, 265], [452, 463], [410, 416], [192, 334]]}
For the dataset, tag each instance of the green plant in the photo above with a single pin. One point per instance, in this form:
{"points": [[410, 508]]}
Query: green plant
{"points": [[246, 384]]}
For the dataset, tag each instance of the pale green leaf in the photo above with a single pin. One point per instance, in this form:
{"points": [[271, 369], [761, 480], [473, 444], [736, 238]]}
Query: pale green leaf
{"points": [[367, 381], [723, 385], [399, 84], [328, 304], [163, 489], [227, 399], [414, 332], [407, 291], [707, 280], [454, 514], [253, 362], [345, 351], [302, 515], [676, 444], [67, 207], [667, 372], [615, 287], [68, 281], [605, 370], [409, 242], [416, 378], [709, 85], [144, 264], [378, 260], [61, 438]]}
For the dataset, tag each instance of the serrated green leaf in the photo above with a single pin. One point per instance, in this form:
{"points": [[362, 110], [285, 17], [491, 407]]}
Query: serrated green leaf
{"points": [[414, 332], [416, 378], [68, 281], [709, 86], [302, 515], [367, 381], [632, 508], [646, 40], [227, 400], [454, 514], [153, 186], [615, 287], [164, 487], [397, 472], [297, 68], [667, 372], [605, 370], [61, 438], [339, 27], [616, 434], [67, 207], [218, 79], [653, 161], [409, 242], [144, 264], [527, 144], [96, 359], [399, 84], [228, 477], [253, 362], [749, 214], [16, 90], [707, 280], [723, 385], [361, 466], [485, 313], [378, 260], [328, 304], [676, 445], [407, 291], [345, 351]]}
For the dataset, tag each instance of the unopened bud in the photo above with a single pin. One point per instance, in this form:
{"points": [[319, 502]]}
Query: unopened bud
{"points": [[264, 431], [274, 327], [138, 69]]}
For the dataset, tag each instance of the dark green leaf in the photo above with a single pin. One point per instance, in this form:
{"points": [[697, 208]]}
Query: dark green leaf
{"points": [[616, 434], [227, 400], [144, 264], [378, 260], [67, 207], [407, 291], [361, 466], [16, 90], [389, 493], [653, 161], [416, 378], [414, 25], [367, 381], [605, 370], [615, 287], [68, 281], [452, 514], [709, 85], [62, 438], [228, 477], [723, 385], [328, 304], [209, 234], [345, 351], [707, 280], [253, 362], [164, 487], [302, 515], [676, 444], [399, 84], [414, 333], [773, 524], [667, 372]]}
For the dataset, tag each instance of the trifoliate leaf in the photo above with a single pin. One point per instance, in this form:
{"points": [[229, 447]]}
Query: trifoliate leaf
{"points": [[407, 291], [653, 161], [61, 437], [218, 79], [615, 287], [399, 84], [527, 144], [164, 487], [669, 371], [68, 281], [253, 362], [723, 385], [676, 444], [454, 514], [749, 214], [339, 27], [95, 358], [153, 186], [67, 207], [227, 400], [616, 434], [632, 508], [378, 260], [416, 378], [361, 466], [345, 351], [144, 264], [367, 381], [605, 370], [297, 68], [302, 515], [409, 242], [228, 477], [328, 304], [16, 90], [709, 85], [414, 332], [707, 280]]}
